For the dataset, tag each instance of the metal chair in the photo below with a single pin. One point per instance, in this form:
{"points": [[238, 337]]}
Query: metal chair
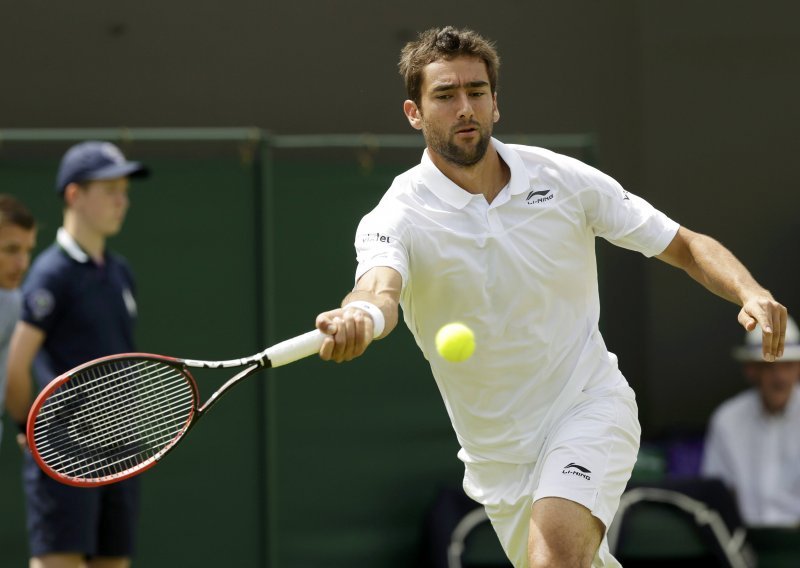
{"points": [[474, 544], [659, 526]]}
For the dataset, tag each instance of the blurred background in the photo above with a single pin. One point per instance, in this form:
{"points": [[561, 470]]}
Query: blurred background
{"points": [[272, 127]]}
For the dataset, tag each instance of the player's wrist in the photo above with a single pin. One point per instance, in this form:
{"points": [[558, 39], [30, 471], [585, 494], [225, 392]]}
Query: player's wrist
{"points": [[378, 320], [22, 427]]}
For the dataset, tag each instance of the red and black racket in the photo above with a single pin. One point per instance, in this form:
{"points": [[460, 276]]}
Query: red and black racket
{"points": [[117, 416]]}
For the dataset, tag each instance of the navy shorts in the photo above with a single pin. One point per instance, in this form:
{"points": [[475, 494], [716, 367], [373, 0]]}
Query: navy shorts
{"points": [[97, 521]]}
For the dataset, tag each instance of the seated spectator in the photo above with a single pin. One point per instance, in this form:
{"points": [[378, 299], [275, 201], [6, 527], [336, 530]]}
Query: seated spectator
{"points": [[753, 440]]}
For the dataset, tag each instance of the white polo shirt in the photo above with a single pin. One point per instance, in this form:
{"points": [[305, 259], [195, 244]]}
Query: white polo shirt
{"points": [[522, 274]]}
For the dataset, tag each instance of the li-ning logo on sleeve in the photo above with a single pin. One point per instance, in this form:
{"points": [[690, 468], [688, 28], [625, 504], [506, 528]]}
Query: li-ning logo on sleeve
{"points": [[375, 238], [539, 196], [575, 469]]}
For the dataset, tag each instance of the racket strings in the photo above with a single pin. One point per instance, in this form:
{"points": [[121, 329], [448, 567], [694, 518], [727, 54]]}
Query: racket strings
{"points": [[66, 397], [59, 433], [113, 406], [104, 430], [114, 438], [113, 418], [92, 380]]}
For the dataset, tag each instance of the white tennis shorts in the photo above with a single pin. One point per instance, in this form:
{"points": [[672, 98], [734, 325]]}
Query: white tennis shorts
{"points": [[587, 458]]}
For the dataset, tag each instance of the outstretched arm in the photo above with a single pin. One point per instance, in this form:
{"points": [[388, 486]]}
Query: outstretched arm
{"points": [[350, 329], [715, 267]]}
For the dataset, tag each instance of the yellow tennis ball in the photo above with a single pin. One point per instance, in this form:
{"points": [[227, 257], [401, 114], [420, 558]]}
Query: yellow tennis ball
{"points": [[455, 342]]}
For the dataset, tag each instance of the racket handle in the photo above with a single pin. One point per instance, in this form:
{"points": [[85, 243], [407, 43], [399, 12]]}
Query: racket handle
{"points": [[295, 348]]}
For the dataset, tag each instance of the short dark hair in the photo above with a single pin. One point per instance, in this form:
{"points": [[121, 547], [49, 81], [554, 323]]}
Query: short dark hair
{"points": [[14, 212], [444, 43]]}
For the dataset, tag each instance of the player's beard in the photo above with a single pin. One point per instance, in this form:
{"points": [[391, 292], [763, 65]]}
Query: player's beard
{"points": [[443, 143]]}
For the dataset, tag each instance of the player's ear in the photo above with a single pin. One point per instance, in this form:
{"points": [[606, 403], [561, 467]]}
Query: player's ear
{"points": [[70, 193], [495, 110], [413, 114]]}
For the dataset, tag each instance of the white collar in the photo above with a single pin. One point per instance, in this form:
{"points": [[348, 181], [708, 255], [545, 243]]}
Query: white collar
{"points": [[456, 196], [71, 246]]}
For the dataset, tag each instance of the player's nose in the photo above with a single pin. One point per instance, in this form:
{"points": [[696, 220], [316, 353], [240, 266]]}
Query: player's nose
{"points": [[464, 106]]}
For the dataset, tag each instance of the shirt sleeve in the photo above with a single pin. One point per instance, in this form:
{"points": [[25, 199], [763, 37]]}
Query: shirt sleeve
{"points": [[622, 218], [42, 300], [380, 243]]}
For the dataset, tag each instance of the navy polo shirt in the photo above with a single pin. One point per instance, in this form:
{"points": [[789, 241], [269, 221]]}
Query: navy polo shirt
{"points": [[86, 309]]}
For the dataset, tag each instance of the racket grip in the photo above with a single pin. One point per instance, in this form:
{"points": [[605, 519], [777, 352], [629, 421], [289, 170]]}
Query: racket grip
{"points": [[295, 348]]}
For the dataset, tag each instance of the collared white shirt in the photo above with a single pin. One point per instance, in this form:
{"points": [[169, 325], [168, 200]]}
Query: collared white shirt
{"points": [[757, 454], [521, 272]]}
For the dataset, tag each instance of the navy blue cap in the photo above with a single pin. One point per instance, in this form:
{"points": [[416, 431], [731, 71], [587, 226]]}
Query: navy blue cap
{"points": [[95, 160]]}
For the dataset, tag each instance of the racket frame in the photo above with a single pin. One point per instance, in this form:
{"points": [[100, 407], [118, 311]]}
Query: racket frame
{"points": [[56, 383], [279, 354]]}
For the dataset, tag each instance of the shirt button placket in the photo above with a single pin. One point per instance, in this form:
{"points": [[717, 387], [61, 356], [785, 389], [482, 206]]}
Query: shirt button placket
{"points": [[493, 219]]}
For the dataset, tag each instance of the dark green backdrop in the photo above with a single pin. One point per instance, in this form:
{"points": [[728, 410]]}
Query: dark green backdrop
{"points": [[237, 244]]}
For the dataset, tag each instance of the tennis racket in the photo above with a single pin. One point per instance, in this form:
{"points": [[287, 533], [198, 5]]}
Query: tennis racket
{"points": [[117, 416]]}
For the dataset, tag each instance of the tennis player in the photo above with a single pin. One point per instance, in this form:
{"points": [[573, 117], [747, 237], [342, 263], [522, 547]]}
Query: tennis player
{"points": [[502, 238], [78, 305]]}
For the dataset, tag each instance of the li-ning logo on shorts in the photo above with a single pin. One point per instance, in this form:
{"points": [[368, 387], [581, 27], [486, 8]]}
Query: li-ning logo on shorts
{"points": [[575, 469], [539, 196]]}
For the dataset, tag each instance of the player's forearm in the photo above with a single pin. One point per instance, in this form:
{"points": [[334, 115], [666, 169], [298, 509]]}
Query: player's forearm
{"points": [[380, 287], [716, 268]]}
